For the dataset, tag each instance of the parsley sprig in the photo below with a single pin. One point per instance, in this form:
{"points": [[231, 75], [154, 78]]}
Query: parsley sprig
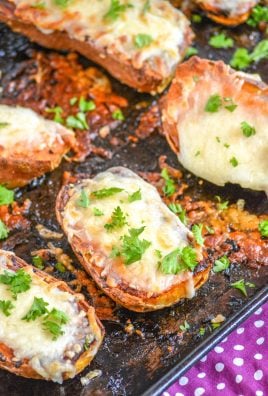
{"points": [[180, 259], [38, 308], [17, 282], [197, 232], [221, 41], [6, 306], [106, 192], [53, 322], [241, 285], [6, 196], [221, 264], [169, 187], [118, 220], [133, 247]]}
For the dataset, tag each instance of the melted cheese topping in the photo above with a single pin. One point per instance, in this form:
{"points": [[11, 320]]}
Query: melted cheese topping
{"points": [[233, 7], [162, 228], [22, 129], [29, 340], [84, 20]]}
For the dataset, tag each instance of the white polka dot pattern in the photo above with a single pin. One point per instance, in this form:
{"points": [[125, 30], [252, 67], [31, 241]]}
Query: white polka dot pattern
{"points": [[235, 367]]}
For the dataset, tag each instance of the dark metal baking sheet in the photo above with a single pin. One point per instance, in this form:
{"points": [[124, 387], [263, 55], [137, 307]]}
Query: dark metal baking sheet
{"points": [[147, 361]]}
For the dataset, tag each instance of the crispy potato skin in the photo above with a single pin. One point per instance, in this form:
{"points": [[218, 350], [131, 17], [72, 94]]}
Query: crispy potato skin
{"points": [[218, 15], [123, 294], [183, 85], [144, 79], [24, 369]]}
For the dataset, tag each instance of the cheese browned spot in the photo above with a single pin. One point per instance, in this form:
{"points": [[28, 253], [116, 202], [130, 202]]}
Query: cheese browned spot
{"points": [[51, 359], [116, 34], [162, 229], [214, 144]]}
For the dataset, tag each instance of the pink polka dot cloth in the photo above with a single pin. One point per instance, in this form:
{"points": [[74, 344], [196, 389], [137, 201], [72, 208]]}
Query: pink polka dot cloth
{"points": [[238, 366]]}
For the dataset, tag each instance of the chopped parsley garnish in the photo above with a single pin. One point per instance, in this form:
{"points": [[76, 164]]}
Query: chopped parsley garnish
{"points": [[241, 285], [97, 212], [218, 139], [6, 196], [177, 209], [169, 187], [6, 306], [158, 253], [221, 264], [132, 247], [118, 220], [116, 9], [3, 230], [38, 308], [87, 343], [83, 200], [202, 331], [86, 105], [4, 124], [185, 326], [263, 228], [260, 51], [142, 40], [62, 3], [198, 152], [233, 161], [242, 58], [197, 231], [118, 115], [57, 111], [229, 104], [247, 129], [213, 104], [210, 230], [78, 121], [221, 205], [180, 259], [258, 14], [53, 322], [60, 267], [106, 192], [221, 41], [226, 145], [136, 196], [38, 262], [191, 51], [73, 101], [196, 18], [17, 282]]}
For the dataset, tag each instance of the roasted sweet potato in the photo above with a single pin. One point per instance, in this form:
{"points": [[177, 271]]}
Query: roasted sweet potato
{"points": [[29, 145], [124, 236], [139, 45], [35, 339]]}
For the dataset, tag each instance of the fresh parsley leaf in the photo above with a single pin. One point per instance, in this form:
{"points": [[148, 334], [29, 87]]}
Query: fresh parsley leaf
{"points": [[260, 51], [118, 220], [3, 230], [118, 115], [53, 322], [38, 308], [115, 252], [62, 3], [57, 111], [79, 121], [233, 161], [213, 104], [221, 264], [6, 306], [17, 282], [86, 105], [142, 40], [97, 212], [263, 228], [169, 187], [180, 259], [185, 326], [83, 200], [4, 124], [197, 231], [60, 267], [229, 104], [38, 262], [241, 59], [175, 208], [73, 101], [191, 51], [221, 205], [202, 331], [106, 192], [258, 14], [241, 285], [221, 41], [6, 196], [132, 247], [136, 196], [247, 129], [116, 9]]}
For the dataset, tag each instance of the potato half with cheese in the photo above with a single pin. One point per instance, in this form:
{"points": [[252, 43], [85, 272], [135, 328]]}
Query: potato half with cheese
{"points": [[29, 145], [129, 241], [139, 42], [46, 330], [227, 12], [215, 119]]}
